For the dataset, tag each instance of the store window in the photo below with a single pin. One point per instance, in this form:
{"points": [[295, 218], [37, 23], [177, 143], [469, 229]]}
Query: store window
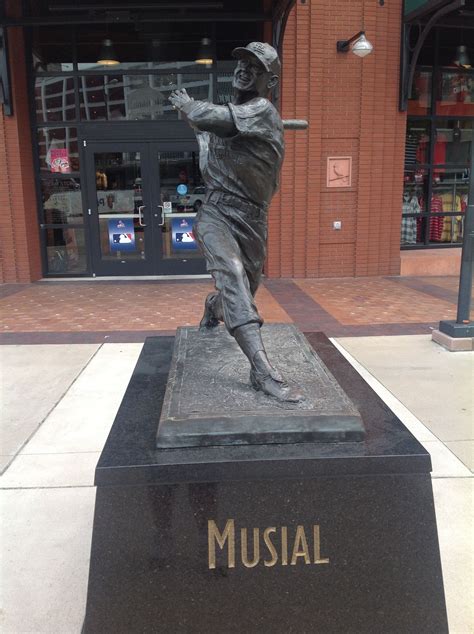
{"points": [[439, 143], [70, 89], [55, 99], [138, 97], [65, 250], [61, 205], [58, 150], [420, 98], [62, 202]]}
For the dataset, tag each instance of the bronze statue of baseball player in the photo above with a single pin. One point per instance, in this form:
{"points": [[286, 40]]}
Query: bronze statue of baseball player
{"points": [[241, 152]]}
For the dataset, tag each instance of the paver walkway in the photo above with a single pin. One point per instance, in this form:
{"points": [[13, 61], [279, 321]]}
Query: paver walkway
{"points": [[129, 311]]}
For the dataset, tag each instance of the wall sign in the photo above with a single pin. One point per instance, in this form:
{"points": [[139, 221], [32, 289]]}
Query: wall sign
{"points": [[121, 234], [60, 161], [339, 171]]}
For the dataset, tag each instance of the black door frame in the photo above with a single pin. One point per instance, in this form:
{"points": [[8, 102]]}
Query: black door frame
{"points": [[102, 267], [150, 139]]}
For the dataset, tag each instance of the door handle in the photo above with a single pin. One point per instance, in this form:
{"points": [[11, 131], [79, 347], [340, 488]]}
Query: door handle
{"points": [[140, 216], [163, 219]]}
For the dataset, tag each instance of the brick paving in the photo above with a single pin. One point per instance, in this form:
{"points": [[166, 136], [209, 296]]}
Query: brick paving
{"points": [[371, 301], [94, 311]]}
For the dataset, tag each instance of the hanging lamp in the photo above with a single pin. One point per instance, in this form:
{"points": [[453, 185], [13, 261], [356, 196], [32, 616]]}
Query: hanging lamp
{"points": [[107, 56], [462, 58], [205, 55]]}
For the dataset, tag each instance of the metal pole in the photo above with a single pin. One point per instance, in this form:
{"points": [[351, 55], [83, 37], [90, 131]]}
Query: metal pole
{"points": [[463, 327], [465, 280]]}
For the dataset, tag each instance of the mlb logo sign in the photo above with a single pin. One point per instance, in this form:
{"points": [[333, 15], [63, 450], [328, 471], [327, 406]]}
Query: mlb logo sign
{"points": [[122, 238], [121, 234], [182, 234]]}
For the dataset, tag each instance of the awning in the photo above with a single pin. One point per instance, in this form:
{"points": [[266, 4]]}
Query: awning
{"points": [[420, 9]]}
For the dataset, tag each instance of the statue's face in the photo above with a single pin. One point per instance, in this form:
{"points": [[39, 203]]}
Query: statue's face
{"points": [[251, 76]]}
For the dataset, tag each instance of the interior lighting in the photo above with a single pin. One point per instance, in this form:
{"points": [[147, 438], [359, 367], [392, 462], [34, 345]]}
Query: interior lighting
{"points": [[358, 44], [205, 55], [462, 58], [107, 56]]}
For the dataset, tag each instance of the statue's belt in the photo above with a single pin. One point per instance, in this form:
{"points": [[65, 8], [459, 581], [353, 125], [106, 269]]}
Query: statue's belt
{"points": [[251, 209]]}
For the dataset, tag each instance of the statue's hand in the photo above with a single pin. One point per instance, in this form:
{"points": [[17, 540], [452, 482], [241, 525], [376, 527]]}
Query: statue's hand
{"points": [[179, 98]]}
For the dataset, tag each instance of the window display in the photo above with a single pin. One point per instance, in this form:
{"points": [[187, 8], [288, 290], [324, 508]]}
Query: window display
{"points": [[455, 94], [419, 102], [436, 217], [438, 148]]}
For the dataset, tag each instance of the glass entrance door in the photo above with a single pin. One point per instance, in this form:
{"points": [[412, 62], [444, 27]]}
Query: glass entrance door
{"points": [[119, 203], [182, 193], [142, 199]]}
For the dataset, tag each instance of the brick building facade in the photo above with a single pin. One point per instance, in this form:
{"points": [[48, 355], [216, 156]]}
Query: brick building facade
{"points": [[352, 108], [20, 252]]}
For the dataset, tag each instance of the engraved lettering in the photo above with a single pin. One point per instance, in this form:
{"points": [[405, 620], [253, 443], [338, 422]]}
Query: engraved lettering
{"points": [[279, 546], [256, 548], [300, 547], [317, 546], [213, 536], [284, 546], [270, 546]]}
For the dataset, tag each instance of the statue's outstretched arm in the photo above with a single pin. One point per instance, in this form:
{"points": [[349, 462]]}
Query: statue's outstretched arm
{"points": [[203, 115]]}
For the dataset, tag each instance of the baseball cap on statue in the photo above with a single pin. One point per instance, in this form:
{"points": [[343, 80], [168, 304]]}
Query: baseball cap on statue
{"points": [[263, 52]]}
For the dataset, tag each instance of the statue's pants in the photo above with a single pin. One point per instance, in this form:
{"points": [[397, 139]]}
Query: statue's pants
{"points": [[232, 234]]}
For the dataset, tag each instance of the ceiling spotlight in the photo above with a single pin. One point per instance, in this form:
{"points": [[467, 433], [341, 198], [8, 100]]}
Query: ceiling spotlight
{"points": [[462, 58], [358, 44], [205, 52], [107, 56]]}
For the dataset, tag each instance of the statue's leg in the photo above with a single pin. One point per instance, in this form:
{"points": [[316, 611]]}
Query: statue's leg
{"points": [[234, 248], [212, 311], [263, 375], [232, 302]]}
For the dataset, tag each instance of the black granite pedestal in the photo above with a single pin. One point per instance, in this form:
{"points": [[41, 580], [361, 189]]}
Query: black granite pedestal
{"points": [[307, 537]]}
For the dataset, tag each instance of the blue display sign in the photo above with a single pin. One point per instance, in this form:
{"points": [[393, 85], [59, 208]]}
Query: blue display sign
{"points": [[182, 234], [182, 189], [121, 234]]}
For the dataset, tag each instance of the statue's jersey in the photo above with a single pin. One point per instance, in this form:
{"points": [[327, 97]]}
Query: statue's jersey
{"points": [[247, 164]]}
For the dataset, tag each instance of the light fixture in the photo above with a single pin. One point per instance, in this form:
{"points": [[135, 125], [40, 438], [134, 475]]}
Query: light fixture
{"points": [[205, 55], [462, 58], [358, 43], [107, 56]]}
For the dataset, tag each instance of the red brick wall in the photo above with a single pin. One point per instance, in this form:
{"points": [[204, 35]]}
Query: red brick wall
{"points": [[20, 249], [352, 108]]}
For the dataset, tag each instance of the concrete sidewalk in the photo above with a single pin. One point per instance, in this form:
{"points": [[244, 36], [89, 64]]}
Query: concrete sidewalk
{"points": [[54, 435]]}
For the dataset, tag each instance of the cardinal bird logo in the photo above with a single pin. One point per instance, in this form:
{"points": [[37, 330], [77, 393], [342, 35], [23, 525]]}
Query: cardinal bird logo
{"points": [[338, 174]]}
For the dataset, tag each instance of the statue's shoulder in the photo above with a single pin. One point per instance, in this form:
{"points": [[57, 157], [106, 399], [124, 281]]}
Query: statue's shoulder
{"points": [[255, 107]]}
